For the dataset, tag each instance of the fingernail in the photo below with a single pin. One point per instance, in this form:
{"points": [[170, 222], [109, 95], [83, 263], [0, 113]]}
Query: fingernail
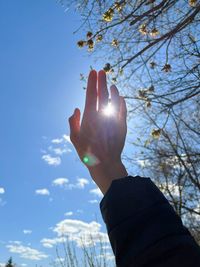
{"points": [[93, 71], [102, 71], [114, 87]]}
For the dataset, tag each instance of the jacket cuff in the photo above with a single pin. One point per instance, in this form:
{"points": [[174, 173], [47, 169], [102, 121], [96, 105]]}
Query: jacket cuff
{"points": [[126, 196]]}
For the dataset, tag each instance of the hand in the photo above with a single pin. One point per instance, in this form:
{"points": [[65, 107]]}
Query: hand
{"points": [[99, 139]]}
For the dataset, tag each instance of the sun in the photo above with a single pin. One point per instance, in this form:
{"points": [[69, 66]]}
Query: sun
{"points": [[109, 110]]}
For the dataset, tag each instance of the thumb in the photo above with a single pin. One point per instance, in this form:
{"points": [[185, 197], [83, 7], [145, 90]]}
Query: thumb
{"points": [[74, 123]]}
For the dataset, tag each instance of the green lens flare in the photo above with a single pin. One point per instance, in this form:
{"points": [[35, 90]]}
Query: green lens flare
{"points": [[90, 159], [85, 159]]}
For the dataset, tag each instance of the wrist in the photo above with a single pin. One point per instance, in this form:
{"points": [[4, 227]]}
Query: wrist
{"points": [[104, 174]]}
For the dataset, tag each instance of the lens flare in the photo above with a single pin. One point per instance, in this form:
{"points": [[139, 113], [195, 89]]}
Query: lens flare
{"points": [[85, 159], [90, 159], [109, 110]]}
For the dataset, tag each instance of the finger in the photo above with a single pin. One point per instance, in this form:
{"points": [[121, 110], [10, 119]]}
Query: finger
{"points": [[123, 111], [74, 123], [115, 99], [91, 93], [102, 90]]}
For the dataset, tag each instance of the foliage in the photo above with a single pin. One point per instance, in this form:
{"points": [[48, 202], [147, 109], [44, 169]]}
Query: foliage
{"points": [[88, 256], [151, 50]]}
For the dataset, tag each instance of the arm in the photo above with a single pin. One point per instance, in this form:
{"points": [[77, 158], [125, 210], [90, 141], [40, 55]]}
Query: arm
{"points": [[143, 228], [147, 233]]}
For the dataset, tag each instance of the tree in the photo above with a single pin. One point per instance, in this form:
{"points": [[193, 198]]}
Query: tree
{"points": [[10, 263], [151, 50]]}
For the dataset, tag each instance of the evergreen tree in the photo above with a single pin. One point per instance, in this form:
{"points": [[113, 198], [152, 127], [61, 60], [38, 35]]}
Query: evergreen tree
{"points": [[9, 263]]}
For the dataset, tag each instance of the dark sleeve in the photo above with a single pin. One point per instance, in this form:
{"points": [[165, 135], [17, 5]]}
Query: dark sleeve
{"points": [[143, 228]]}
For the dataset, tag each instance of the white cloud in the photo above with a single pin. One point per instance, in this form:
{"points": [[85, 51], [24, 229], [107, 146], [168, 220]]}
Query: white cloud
{"points": [[82, 233], [59, 151], [69, 226], [26, 252], [52, 154], [2, 190], [57, 141], [42, 191], [93, 201], [69, 213], [49, 243], [97, 192], [82, 182], [27, 232], [64, 138], [60, 182], [55, 161], [64, 182], [67, 138]]}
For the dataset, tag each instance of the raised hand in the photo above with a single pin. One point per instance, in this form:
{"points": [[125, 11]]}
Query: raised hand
{"points": [[99, 139]]}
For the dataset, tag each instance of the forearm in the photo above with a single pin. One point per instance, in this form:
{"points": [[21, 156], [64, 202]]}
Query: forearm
{"points": [[104, 174], [143, 228]]}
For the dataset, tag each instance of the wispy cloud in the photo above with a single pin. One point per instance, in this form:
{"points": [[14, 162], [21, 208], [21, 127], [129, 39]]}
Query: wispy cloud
{"points": [[60, 182], [43, 191], [67, 138], [57, 141], [50, 160], [64, 182], [69, 213], [53, 153], [49, 243], [93, 201], [97, 192], [60, 151], [2, 190], [82, 233], [64, 139], [26, 252], [27, 232], [82, 182]]}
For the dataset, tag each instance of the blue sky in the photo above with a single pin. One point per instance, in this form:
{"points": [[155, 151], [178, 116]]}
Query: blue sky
{"points": [[43, 185]]}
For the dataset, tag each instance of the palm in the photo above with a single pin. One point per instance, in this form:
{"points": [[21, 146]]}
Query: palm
{"points": [[98, 135]]}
